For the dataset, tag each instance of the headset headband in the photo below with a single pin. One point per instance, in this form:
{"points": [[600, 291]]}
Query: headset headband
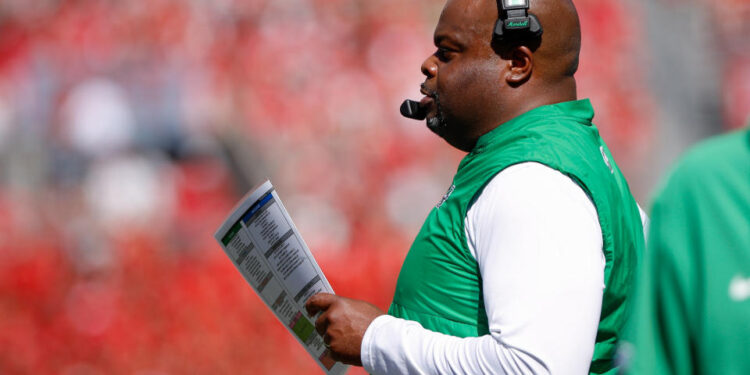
{"points": [[515, 22]]}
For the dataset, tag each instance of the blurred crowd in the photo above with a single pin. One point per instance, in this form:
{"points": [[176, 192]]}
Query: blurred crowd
{"points": [[129, 129]]}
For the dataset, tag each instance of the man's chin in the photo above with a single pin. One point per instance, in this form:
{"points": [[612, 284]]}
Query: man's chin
{"points": [[440, 128], [435, 125]]}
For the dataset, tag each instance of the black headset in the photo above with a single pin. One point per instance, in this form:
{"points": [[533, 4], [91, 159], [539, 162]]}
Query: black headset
{"points": [[515, 22]]}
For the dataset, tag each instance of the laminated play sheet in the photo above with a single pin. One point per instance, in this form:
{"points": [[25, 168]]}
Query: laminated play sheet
{"points": [[265, 246]]}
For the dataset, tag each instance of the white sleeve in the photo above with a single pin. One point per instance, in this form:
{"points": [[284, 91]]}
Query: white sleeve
{"points": [[536, 237]]}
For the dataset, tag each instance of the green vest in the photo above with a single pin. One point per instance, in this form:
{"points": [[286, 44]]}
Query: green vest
{"points": [[440, 285]]}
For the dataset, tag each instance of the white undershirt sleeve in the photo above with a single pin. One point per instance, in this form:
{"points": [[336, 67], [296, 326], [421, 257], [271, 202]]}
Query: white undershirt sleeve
{"points": [[536, 237]]}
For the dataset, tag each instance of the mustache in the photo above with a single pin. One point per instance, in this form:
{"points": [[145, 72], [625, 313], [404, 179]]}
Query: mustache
{"points": [[427, 91]]}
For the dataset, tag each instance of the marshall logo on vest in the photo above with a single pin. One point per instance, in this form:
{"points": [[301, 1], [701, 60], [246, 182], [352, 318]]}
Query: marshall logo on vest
{"points": [[445, 197]]}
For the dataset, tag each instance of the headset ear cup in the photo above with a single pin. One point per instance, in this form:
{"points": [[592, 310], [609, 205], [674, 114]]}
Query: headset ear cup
{"points": [[499, 27], [535, 28]]}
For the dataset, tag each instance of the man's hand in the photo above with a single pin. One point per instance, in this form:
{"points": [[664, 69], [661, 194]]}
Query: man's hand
{"points": [[342, 324]]}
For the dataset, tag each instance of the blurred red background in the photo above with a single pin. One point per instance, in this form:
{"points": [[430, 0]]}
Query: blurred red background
{"points": [[128, 130]]}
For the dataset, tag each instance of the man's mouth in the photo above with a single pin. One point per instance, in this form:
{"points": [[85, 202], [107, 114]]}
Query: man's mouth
{"points": [[426, 91], [428, 101], [431, 104]]}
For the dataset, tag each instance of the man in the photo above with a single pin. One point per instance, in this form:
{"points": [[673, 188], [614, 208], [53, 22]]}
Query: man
{"points": [[508, 273], [692, 312]]}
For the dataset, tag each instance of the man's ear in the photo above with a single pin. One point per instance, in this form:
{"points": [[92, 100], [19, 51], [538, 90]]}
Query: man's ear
{"points": [[520, 62]]}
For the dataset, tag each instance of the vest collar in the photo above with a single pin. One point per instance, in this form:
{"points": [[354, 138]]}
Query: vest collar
{"points": [[579, 111]]}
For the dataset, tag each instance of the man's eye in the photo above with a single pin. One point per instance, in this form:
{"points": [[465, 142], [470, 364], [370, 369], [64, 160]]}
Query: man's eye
{"points": [[443, 54]]}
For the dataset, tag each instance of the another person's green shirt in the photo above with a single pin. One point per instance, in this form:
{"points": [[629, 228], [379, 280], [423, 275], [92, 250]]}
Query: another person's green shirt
{"points": [[693, 304]]}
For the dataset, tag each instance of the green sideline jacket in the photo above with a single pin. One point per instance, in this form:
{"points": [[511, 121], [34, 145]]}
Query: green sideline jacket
{"points": [[692, 313]]}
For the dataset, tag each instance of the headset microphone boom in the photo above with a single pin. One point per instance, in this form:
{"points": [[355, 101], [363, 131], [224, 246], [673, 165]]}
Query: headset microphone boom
{"points": [[413, 110]]}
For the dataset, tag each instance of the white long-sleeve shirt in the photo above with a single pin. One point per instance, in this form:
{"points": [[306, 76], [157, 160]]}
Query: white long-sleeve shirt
{"points": [[536, 237]]}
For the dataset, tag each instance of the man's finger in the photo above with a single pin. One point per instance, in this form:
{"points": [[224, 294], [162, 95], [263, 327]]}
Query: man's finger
{"points": [[320, 301], [336, 357], [321, 324]]}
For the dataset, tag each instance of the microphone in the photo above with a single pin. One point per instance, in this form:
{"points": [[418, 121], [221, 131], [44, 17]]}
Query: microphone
{"points": [[411, 109]]}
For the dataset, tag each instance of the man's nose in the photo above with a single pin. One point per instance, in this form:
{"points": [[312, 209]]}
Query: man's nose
{"points": [[429, 67]]}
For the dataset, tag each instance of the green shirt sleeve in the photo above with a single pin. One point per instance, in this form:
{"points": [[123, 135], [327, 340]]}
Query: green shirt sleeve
{"points": [[662, 326]]}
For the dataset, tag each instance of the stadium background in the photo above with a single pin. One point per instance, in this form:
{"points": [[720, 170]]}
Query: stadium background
{"points": [[128, 129]]}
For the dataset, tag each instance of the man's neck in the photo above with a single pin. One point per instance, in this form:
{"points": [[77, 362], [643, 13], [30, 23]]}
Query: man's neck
{"points": [[563, 91], [531, 98]]}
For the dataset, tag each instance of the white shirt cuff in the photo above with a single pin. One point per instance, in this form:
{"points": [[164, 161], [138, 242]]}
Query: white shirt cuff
{"points": [[368, 342]]}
